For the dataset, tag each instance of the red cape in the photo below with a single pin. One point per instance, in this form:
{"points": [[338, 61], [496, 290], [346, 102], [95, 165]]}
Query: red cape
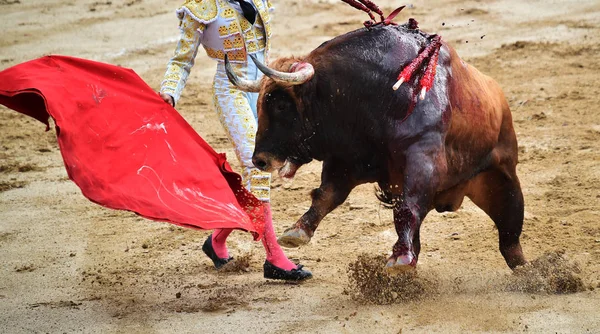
{"points": [[126, 148]]}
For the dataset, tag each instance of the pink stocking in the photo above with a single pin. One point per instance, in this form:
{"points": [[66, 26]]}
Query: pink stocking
{"points": [[219, 238], [275, 254]]}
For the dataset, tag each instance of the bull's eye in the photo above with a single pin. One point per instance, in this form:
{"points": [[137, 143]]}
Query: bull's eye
{"points": [[280, 105], [277, 100]]}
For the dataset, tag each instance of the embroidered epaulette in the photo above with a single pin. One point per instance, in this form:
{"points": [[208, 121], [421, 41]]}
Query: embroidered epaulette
{"points": [[203, 11]]}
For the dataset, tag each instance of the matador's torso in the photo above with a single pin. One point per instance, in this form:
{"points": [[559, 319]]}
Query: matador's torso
{"points": [[225, 30]]}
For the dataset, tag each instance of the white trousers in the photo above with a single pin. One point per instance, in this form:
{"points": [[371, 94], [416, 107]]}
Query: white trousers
{"points": [[237, 112]]}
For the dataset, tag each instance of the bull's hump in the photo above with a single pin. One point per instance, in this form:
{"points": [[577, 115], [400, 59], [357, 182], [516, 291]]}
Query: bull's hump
{"points": [[388, 42], [373, 56]]}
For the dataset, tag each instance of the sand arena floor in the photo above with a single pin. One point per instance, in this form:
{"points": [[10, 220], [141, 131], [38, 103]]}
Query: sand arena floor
{"points": [[68, 265]]}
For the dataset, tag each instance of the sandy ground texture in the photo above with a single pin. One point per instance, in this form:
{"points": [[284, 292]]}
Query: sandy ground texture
{"points": [[68, 265]]}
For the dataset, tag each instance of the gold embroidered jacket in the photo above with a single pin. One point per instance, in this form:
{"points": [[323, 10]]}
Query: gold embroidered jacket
{"points": [[220, 29]]}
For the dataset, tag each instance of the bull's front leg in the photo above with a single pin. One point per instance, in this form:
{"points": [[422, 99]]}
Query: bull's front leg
{"points": [[408, 215], [336, 185], [419, 181]]}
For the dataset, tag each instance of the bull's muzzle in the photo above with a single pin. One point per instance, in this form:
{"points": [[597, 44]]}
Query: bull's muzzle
{"points": [[267, 162], [261, 161]]}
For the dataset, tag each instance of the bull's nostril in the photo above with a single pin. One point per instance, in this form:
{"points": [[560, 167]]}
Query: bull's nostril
{"points": [[260, 164]]}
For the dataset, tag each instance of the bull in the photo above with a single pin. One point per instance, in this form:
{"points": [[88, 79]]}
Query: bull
{"points": [[425, 152]]}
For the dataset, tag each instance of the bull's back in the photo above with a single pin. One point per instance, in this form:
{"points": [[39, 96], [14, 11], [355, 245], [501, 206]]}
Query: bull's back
{"points": [[365, 63], [358, 70]]}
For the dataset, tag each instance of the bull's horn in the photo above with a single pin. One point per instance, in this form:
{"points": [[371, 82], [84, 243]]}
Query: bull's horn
{"points": [[303, 74], [252, 86]]}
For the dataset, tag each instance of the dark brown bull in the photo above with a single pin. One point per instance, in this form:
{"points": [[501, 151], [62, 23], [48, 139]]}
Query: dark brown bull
{"points": [[337, 105]]}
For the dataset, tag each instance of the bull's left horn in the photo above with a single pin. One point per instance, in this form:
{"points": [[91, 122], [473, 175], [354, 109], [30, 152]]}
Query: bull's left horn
{"points": [[304, 72], [252, 86]]}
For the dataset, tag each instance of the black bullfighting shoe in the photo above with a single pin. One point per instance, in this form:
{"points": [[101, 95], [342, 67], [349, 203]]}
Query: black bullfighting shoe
{"points": [[207, 248], [297, 274]]}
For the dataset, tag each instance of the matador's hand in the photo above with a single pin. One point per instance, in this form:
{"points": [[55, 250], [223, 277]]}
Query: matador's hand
{"points": [[167, 98]]}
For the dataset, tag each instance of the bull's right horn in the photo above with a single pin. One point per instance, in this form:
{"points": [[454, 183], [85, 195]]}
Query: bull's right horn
{"points": [[302, 73], [252, 86]]}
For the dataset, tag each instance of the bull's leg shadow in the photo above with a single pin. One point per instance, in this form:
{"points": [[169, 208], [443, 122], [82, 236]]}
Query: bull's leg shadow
{"points": [[335, 187], [498, 193]]}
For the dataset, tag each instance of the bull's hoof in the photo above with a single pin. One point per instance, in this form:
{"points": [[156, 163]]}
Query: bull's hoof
{"points": [[293, 237], [401, 264]]}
